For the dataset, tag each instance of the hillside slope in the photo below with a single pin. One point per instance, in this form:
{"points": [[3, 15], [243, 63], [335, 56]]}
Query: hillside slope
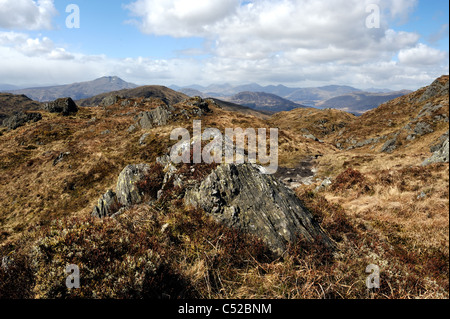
{"points": [[12, 103], [263, 101], [150, 91], [96, 189], [360, 102], [399, 123]]}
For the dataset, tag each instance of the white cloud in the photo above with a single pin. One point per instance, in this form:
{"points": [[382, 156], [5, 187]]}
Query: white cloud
{"points": [[180, 18], [26, 14], [322, 31], [296, 43], [33, 47], [422, 55]]}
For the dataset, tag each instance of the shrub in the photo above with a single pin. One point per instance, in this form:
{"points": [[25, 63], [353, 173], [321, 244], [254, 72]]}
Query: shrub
{"points": [[350, 179], [152, 182]]}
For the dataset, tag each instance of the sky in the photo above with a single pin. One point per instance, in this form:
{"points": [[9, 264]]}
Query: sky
{"points": [[394, 44]]}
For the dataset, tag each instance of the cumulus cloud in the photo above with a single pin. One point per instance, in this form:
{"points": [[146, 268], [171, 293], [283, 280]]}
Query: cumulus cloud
{"points": [[38, 61], [296, 43], [180, 18], [422, 55], [26, 14], [302, 30], [299, 41], [33, 47]]}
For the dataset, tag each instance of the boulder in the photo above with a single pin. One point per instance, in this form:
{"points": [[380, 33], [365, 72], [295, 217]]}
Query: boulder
{"points": [[127, 191], [157, 117], [20, 119], [60, 158], [64, 106], [325, 183], [389, 146], [441, 153], [143, 138], [107, 205], [240, 196], [423, 128], [110, 100]]}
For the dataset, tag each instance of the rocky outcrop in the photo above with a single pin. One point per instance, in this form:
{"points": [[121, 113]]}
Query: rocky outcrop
{"points": [[437, 88], [20, 119], [157, 117], [200, 104], [240, 196], [127, 191], [64, 106], [440, 151], [110, 100], [107, 205], [389, 146]]}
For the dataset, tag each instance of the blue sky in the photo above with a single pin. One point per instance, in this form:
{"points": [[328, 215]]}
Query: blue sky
{"points": [[290, 42]]}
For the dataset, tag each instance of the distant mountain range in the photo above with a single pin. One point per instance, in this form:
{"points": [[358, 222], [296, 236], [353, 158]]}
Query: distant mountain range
{"points": [[360, 102], [304, 96], [76, 91], [269, 98], [8, 87], [282, 98]]}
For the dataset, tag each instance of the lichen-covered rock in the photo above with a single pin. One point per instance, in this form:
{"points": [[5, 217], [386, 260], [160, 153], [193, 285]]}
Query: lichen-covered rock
{"points": [[437, 88], [441, 152], [423, 128], [157, 117], [20, 119], [389, 146], [110, 100], [240, 196], [107, 205], [64, 106], [127, 190]]}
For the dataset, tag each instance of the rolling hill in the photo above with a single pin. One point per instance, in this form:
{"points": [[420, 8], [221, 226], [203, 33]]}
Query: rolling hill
{"points": [[12, 103], [263, 101], [150, 91], [360, 102]]}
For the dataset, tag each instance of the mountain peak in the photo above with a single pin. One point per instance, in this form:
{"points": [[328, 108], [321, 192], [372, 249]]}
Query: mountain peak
{"points": [[77, 91]]}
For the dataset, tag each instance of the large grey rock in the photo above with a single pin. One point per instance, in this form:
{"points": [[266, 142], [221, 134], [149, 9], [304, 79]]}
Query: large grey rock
{"points": [[436, 89], [107, 205], [423, 128], [389, 146], [127, 190], [240, 196], [64, 106], [20, 119], [110, 100], [438, 145], [157, 117], [441, 153]]}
